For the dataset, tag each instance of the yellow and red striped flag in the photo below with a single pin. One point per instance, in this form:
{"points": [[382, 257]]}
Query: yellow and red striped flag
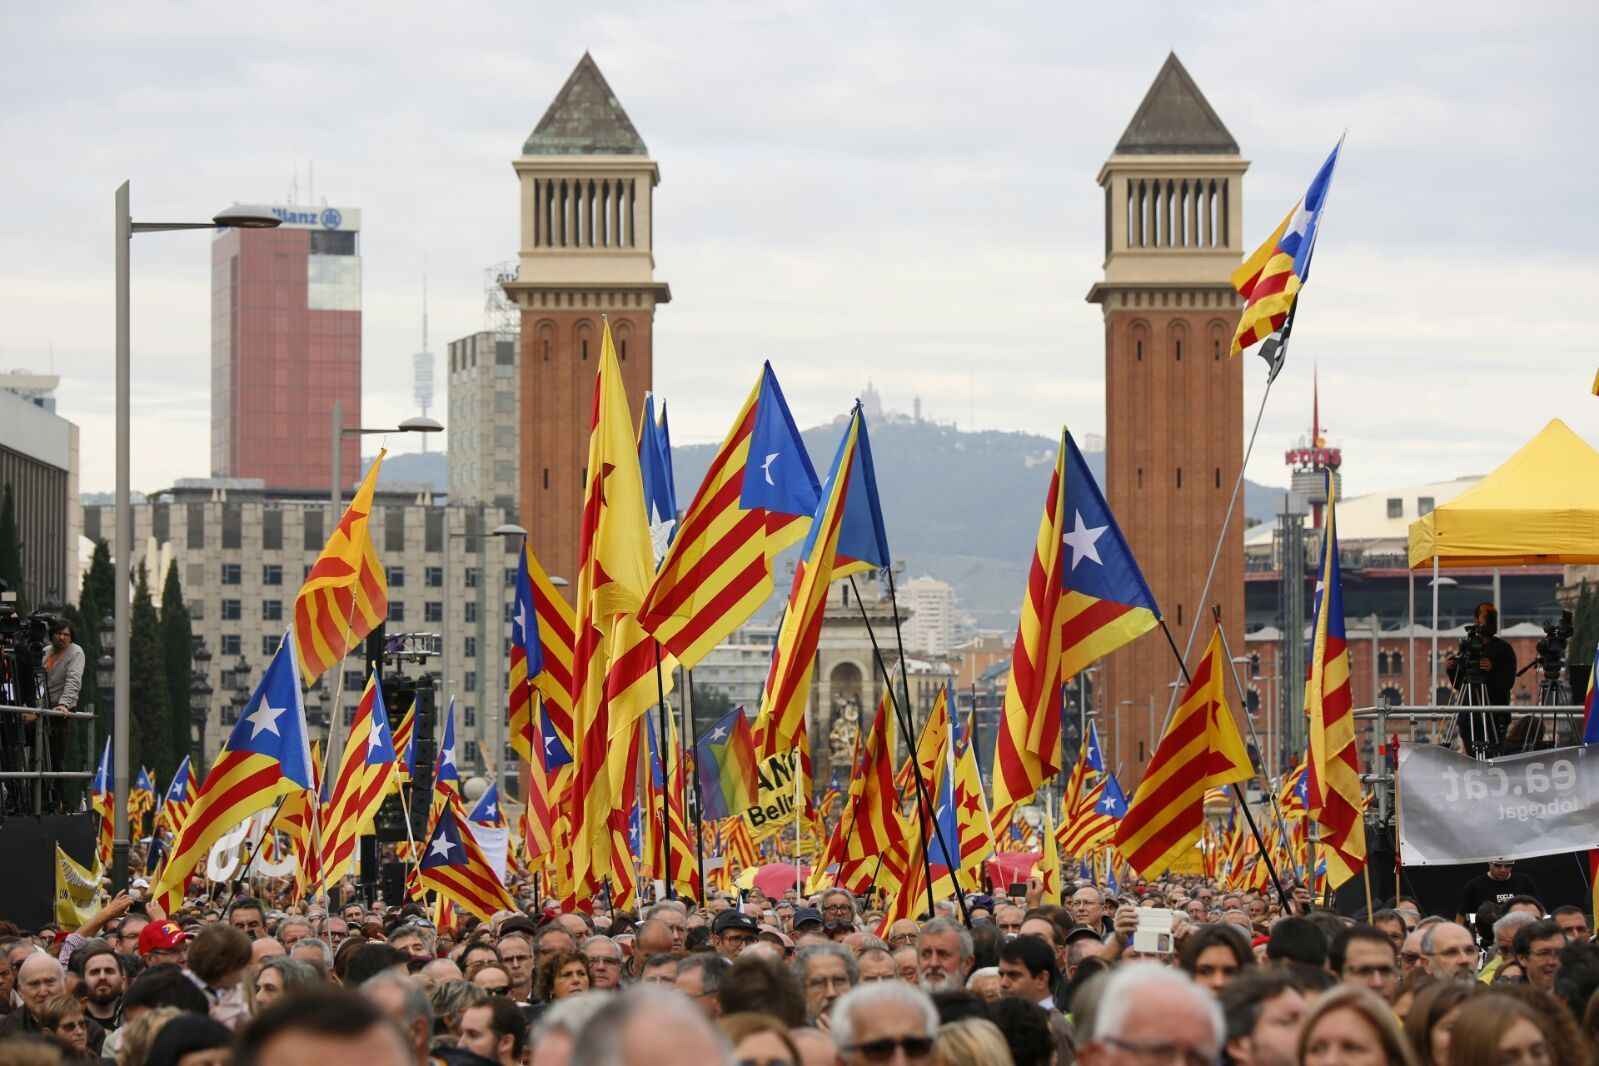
{"points": [[541, 656], [266, 756], [870, 825], [971, 807], [613, 661], [1333, 766], [1085, 598], [454, 866], [757, 499], [1200, 749], [346, 594], [846, 537], [102, 800], [299, 819], [668, 786], [367, 772]]}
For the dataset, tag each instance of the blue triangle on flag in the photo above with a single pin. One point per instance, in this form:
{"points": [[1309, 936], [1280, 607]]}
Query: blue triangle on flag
{"points": [[778, 475], [487, 810], [380, 740], [1097, 561], [444, 847], [861, 535], [273, 722]]}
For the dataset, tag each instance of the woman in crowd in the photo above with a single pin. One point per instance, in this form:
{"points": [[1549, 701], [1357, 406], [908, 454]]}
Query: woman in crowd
{"points": [[278, 977], [563, 974], [1214, 954], [62, 1018], [759, 1038], [1409, 989], [971, 1042], [1431, 1021], [450, 1000], [1499, 1030], [1349, 1026]]}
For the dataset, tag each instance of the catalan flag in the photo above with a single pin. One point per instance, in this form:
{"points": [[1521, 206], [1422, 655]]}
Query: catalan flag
{"points": [[1085, 598], [1270, 279], [757, 499], [932, 745], [1294, 796], [1590, 721], [488, 811], [367, 772], [655, 469], [870, 825], [102, 800], [846, 536], [971, 807], [1333, 775], [175, 803], [453, 865], [1049, 862], [614, 679], [541, 655], [346, 594], [1094, 822], [667, 784], [141, 800], [299, 818], [1200, 749], [544, 774], [725, 757], [446, 774], [404, 747], [266, 756]]}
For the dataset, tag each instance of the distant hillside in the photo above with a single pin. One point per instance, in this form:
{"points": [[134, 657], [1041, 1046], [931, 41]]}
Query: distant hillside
{"points": [[960, 506]]}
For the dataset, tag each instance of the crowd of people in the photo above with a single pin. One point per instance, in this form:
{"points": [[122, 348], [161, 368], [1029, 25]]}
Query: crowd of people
{"points": [[759, 981]]}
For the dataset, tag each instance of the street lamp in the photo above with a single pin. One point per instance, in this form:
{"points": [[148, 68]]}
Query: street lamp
{"points": [[504, 529], [340, 431], [200, 691], [235, 217]]}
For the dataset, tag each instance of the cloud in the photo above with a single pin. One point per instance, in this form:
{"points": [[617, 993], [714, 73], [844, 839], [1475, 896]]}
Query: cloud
{"points": [[894, 193]]}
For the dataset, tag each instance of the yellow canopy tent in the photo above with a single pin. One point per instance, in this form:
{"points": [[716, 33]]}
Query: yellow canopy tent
{"points": [[1540, 507]]}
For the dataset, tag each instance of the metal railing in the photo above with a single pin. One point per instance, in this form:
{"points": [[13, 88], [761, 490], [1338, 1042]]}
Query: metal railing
{"points": [[39, 753], [1427, 723]]}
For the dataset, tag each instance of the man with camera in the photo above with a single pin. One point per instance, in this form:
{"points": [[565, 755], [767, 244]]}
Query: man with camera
{"points": [[1485, 667]]}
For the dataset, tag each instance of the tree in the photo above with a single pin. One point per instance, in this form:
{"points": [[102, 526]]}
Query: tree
{"points": [[177, 651], [11, 547], [101, 580], [149, 729], [94, 603]]}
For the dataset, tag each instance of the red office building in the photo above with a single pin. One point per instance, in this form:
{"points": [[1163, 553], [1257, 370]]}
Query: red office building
{"points": [[286, 344]]}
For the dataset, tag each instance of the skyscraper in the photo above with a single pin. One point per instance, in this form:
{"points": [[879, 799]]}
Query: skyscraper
{"points": [[587, 188], [1173, 399], [285, 344]]}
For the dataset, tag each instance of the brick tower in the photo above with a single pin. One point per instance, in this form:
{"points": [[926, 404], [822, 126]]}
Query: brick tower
{"points": [[1174, 421], [586, 253]]}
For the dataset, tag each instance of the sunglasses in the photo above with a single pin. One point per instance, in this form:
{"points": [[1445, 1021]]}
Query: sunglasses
{"points": [[496, 990], [915, 1047], [764, 1062]]}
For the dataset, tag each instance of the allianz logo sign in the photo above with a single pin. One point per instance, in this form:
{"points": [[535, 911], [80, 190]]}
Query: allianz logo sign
{"points": [[328, 218]]}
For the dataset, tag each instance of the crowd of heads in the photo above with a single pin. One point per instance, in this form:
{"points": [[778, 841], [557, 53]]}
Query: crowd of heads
{"points": [[822, 980]]}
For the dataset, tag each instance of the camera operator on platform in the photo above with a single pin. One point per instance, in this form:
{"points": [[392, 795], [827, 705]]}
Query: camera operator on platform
{"points": [[63, 681], [1496, 668]]}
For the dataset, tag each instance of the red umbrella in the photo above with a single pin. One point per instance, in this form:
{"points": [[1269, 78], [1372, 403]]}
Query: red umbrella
{"points": [[1006, 868], [776, 878]]}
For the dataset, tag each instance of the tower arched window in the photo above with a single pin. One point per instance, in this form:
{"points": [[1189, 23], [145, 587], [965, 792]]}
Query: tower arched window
{"points": [[1138, 350]]}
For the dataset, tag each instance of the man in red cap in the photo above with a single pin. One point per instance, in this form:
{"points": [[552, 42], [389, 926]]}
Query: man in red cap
{"points": [[164, 941]]}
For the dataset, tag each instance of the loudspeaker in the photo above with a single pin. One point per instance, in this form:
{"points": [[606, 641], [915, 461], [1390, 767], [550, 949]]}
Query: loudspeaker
{"points": [[391, 883], [28, 842]]}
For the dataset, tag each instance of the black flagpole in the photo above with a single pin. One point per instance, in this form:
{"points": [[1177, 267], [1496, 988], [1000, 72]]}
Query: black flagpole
{"points": [[691, 749], [662, 745], [1238, 793]]}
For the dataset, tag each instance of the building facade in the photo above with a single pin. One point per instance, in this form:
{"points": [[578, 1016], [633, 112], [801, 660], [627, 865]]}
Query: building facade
{"points": [[1173, 192], [285, 345], [484, 423], [39, 463], [243, 550], [932, 622], [586, 186]]}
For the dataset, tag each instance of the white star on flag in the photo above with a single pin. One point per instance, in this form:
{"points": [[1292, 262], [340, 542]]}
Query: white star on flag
{"points": [[449, 757], [442, 847], [1302, 220], [717, 734], [264, 719], [521, 621], [1083, 542]]}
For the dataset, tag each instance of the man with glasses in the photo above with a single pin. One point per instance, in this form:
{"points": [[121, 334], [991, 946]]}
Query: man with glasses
{"points": [[493, 980], [516, 956], [945, 956], [699, 977], [838, 908], [732, 932], [604, 957], [826, 972], [1537, 948], [884, 1023], [903, 934], [1009, 918], [1151, 1013], [1573, 921], [335, 930], [1450, 950], [1363, 955], [415, 939], [1088, 908]]}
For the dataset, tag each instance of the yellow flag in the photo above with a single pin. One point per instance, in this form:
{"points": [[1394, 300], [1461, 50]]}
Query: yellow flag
{"points": [[77, 891]]}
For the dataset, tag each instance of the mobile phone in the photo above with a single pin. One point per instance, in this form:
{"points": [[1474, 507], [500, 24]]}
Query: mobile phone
{"points": [[1153, 935], [1017, 890]]}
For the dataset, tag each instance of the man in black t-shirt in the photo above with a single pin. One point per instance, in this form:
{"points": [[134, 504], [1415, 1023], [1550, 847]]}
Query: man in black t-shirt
{"points": [[1497, 886]]}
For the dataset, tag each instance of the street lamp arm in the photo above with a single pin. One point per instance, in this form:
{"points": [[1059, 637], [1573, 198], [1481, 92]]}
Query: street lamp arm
{"points": [[168, 227]]}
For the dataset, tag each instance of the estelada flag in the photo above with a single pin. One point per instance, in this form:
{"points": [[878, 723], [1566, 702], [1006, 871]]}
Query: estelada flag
{"points": [[346, 594]]}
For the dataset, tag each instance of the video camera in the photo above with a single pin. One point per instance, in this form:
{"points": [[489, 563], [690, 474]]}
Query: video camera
{"points": [[1471, 652], [1552, 648]]}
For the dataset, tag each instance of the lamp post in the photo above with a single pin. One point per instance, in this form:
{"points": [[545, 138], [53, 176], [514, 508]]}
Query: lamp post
{"points": [[505, 529], [340, 431], [236, 217], [199, 701]]}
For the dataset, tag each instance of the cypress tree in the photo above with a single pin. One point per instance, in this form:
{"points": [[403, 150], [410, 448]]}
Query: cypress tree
{"points": [[177, 649], [11, 547], [149, 728], [101, 579]]}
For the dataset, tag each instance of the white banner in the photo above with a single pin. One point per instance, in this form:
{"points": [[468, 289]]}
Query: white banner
{"points": [[1453, 809], [494, 843]]}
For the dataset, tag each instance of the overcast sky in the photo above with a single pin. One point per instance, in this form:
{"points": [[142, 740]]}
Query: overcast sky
{"points": [[897, 192]]}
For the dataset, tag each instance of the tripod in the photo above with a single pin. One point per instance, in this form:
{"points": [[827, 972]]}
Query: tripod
{"points": [[1481, 731]]}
